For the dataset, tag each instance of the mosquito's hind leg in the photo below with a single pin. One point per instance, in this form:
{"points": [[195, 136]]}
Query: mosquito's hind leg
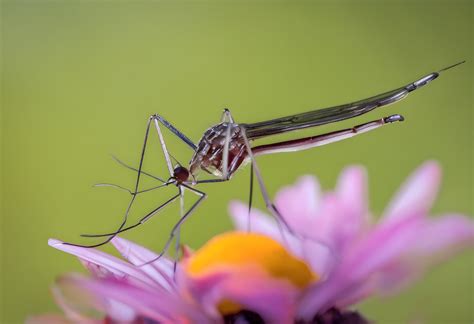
{"points": [[250, 199], [300, 144], [268, 203]]}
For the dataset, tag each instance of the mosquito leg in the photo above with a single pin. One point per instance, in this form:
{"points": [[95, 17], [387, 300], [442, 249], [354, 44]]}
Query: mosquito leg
{"points": [[227, 116], [269, 204], [132, 200], [178, 232], [313, 141], [250, 198], [225, 154], [141, 221], [175, 131], [177, 226]]}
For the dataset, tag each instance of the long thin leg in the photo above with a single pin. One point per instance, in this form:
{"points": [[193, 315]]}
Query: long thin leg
{"points": [[250, 198], [137, 183], [178, 232], [175, 131], [227, 116], [269, 204], [313, 141], [163, 146], [176, 227], [141, 221]]}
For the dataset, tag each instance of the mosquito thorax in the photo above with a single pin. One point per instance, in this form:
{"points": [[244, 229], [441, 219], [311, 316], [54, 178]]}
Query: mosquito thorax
{"points": [[181, 174]]}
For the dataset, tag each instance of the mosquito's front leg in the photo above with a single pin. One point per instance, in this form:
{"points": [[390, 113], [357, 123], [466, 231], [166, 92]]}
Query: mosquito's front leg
{"points": [[175, 131], [132, 200], [141, 221], [177, 226]]}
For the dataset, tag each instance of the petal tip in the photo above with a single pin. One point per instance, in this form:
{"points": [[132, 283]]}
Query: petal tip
{"points": [[54, 242]]}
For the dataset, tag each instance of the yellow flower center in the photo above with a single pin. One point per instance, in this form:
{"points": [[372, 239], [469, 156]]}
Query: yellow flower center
{"points": [[240, 250]]}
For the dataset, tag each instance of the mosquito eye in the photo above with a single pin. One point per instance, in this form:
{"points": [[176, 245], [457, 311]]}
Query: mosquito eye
{"points": [[181, 173]]}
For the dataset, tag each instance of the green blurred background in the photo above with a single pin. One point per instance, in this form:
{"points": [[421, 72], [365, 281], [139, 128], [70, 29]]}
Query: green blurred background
{"points": [[80, 78]]}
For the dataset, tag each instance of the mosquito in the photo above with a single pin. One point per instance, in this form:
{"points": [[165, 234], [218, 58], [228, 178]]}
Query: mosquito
{"points": [[227, 146]]}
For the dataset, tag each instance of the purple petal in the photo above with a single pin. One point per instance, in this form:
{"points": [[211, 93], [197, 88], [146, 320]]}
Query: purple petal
{"points": [[445, 235], [315, 251], [274, 300], [70, 309], [417, 194], [432, 241], [263, 224], [153, 304], [299, 203], [116, 266], [259, 222], [390, 258], [352, 189], [55, 319], [161, 271], [320, 258], [381, 247], [378, 249]]}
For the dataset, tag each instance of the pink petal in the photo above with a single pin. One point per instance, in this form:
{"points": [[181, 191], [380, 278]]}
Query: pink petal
{"points": [[263, 224], [114, 265], [417, 194], [378, 249], [320, 258], [299, 203], [444, 235], [316, 252], [76, 304], [381, 247], [259, 222], [432, 241], [55, 319], [389, 258], [161, 271], [272, 299], [153, 304], [352, 189], [71, 311]]}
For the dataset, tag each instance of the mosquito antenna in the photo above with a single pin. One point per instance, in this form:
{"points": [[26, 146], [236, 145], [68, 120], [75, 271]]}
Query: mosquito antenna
{"points": [[128, 190], [113, 186], [451, 66], [175, 160], [136, 170]]}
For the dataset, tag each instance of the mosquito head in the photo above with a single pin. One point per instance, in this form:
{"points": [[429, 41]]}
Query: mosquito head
{"points": [[181, 174]]}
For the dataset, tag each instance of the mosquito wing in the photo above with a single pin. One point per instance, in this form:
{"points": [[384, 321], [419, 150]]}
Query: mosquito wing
{"points": [[337, 113]]}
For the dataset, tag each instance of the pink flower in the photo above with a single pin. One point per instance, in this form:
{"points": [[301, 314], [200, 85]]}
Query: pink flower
{"points": [[334, 257], [355, 256]]}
